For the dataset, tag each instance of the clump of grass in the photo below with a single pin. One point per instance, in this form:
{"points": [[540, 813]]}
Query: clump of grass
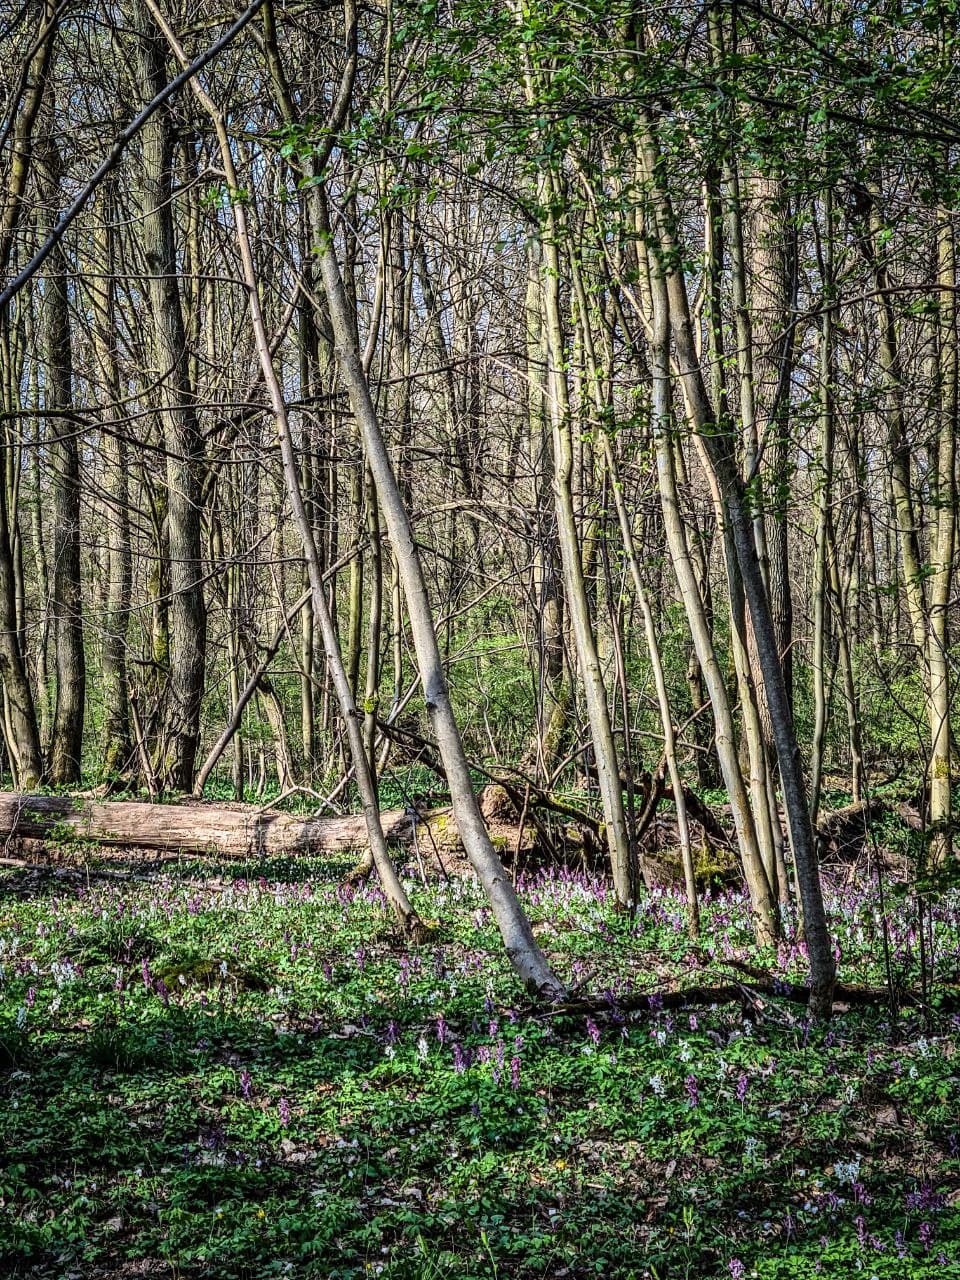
{"points": [[111, 940]]}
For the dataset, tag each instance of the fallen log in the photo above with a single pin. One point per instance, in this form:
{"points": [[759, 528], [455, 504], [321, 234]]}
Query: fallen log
{"points": [[843, 833], [845, 830], [73, 822]]}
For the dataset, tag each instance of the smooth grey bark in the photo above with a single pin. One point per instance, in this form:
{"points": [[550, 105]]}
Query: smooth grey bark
{"points": [[943, 551], [521, 946], [826, 393]]}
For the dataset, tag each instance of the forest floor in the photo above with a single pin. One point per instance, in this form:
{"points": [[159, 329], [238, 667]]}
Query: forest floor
{"points": [[243, 1072]]}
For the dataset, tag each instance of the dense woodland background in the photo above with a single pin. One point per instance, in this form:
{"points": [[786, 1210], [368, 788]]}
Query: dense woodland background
{"points": [[516, 441], [653, 313]]}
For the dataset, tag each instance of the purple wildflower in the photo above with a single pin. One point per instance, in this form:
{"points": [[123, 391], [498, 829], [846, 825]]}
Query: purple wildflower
{"points": [[245, 1085], [743, 1084], [593, 1031], [515, 1072], [441, 1028], [459, 1061], [693, 1090], [283, 1107], [736, 1268]]}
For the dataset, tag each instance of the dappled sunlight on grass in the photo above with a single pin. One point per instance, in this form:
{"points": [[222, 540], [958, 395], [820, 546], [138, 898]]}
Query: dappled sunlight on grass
{"points": [[253, 1075]]}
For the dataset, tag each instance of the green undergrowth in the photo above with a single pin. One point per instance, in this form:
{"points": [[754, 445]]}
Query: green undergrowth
{"points": [[254, 1076]]}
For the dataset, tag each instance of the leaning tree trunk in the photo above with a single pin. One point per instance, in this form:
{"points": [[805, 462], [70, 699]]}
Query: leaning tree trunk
{"points": [[351, 717], [662, 426], [521, 946]]}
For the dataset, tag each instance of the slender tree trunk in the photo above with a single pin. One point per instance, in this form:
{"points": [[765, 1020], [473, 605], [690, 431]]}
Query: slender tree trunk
{"points": [[521, 946], [824, 512], [662, 422], [181, 433], [20, 722], [717, 447], [622, 857], [117, 747], [943, 551]]}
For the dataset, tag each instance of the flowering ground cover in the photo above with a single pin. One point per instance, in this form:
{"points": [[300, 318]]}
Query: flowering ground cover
{"points": [[209, 1073]]}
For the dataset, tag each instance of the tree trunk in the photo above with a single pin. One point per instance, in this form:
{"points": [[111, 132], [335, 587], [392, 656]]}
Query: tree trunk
{"points": [[717, 448], [181, 433]]}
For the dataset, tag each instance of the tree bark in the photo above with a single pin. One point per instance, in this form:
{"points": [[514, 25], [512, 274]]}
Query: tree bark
{"points": [[181, 433], [173, 828]]}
